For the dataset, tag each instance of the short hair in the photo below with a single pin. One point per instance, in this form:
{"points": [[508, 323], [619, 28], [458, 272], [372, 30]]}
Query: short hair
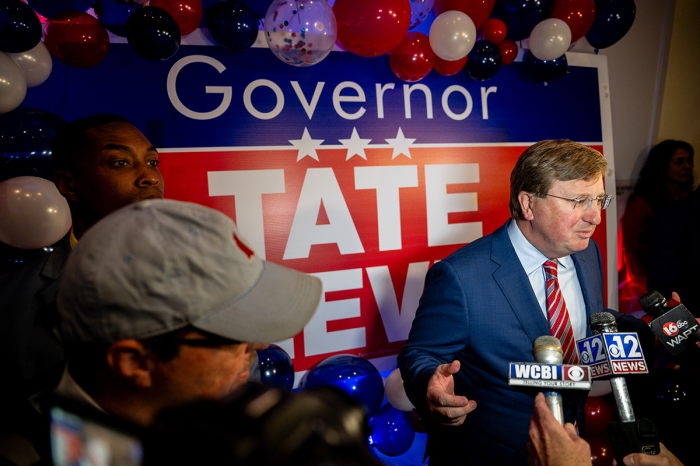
{"points": [[70, 139], [548, 161], [652, 179]]}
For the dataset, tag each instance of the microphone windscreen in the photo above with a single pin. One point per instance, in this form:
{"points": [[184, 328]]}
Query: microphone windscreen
{"points": [[601, 318]]}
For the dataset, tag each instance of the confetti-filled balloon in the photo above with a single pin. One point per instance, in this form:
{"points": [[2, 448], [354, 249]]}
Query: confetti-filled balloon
{"points": [[300, 33], [370, 28], [36, 64], [20, 28], [232, 24], [352, 374], [452, 35], [449, 68], [478, 11], [14, 86], [509, 51], [187, 13], [546, 70], [153, 33], [114, 15], [413, 59], [276, 367], [392, 431], [26, 135], [484, 61], [77, 39], [33, 212], [420, 10]]}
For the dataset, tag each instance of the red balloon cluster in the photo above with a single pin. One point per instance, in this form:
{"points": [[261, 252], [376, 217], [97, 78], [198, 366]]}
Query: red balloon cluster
{"points": [[477, 10], [76, 38], [449, 68], [494, 30], [413, 59], [577, 14], [598, 417], [186, 13], [370, 28]]}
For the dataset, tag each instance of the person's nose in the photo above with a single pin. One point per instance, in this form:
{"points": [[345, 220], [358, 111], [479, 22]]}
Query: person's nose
{"points": [[148, 175], [593, 214]]}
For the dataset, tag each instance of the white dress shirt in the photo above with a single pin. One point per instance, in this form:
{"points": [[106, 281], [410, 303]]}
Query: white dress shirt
{"points": [[533, 261]]}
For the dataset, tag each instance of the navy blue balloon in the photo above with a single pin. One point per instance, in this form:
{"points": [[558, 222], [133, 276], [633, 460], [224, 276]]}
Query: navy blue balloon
{"points": [[153, 33], [613, 18], [392, 430], [276, 367], [352, 374], [48, 8], [484, 61], [113, 15], [26, 135], [232, 24], [521, 16], [546, 70], [20, 28]]}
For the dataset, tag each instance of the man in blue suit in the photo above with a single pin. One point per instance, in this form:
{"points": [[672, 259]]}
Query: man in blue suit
{"points": [[485, 304]]}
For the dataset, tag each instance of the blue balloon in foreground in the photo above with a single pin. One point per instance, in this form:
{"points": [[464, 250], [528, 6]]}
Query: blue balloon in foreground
{"points": [[546, 70], [49, 8], [114, 15], [20, 28], [484, 61], [153, 33], [613, 18], [276, 367], [392, 431], [352, 374], [26, 135], [232, 24]]}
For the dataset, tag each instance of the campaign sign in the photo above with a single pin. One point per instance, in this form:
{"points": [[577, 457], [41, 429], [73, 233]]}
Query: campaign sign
{"points": [[591, 352], [528, 374], [625, 353]]}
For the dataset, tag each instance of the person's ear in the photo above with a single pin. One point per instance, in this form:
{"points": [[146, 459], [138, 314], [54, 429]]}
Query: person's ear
{"points": [[65, 182], [132, 361], [526, 200]]}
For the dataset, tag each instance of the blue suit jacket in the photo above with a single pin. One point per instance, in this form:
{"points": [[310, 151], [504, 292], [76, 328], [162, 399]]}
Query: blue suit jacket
{"points": [[478, 307]]}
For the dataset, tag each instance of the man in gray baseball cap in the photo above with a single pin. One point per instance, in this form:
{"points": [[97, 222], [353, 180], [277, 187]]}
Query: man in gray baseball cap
{"points": [[162, 304]]}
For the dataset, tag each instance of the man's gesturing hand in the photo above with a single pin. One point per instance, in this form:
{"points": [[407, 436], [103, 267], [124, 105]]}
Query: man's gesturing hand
{"points": [[445, 407]]}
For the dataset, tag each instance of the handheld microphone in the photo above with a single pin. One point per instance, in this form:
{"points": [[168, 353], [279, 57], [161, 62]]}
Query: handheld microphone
{"points": [[628, 435], [547, 350], [675, 326]]}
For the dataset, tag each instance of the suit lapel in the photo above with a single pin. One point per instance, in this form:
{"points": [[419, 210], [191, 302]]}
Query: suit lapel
{"points": [[515, 285]]}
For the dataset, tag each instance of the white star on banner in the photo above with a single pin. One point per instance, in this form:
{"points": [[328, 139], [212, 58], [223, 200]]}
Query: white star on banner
{"points": [[306, 146], [355, 145], [401, 145]]}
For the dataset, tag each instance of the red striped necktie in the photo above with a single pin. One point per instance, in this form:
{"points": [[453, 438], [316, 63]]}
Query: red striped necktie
{"points": [[557, 314]]}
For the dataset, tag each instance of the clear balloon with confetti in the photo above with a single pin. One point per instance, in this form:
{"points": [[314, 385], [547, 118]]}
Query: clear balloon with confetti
{"points": [[300, 32], [420, 10]]}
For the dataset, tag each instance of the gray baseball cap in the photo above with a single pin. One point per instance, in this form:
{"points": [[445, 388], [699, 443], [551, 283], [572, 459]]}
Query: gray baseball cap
{"points": [[159, 265]]}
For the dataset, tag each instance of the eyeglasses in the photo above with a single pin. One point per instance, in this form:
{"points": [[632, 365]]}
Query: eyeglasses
{"points": [[583, 203]]}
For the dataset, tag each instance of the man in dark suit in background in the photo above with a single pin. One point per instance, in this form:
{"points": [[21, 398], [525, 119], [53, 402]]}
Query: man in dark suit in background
{"points": [[485, 304], [101, 163]]}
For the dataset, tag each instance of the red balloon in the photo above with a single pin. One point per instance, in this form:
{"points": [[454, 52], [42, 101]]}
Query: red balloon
{"points": [[448, 68], [186, 13], [477, 10], [494, 30], [76, 38], [413, 59], [598, 416], [577, 14], [370, 28], [601, 450], [509, 50]]}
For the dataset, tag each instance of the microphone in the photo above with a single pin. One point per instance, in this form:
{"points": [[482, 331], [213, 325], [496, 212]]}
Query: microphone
{"points": [[675, 326], [628, 435], [547, 350]]}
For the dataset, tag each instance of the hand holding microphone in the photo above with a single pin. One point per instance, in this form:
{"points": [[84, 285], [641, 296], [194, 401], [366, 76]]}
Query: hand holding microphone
{"points": [[674, 326]]}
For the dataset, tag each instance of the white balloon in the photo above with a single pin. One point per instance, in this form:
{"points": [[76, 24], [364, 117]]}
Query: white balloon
{"points": [[550, 39], [395, 393], [452, 35], [600, 388], [36, 64], [13, 86], [34, 214]]}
